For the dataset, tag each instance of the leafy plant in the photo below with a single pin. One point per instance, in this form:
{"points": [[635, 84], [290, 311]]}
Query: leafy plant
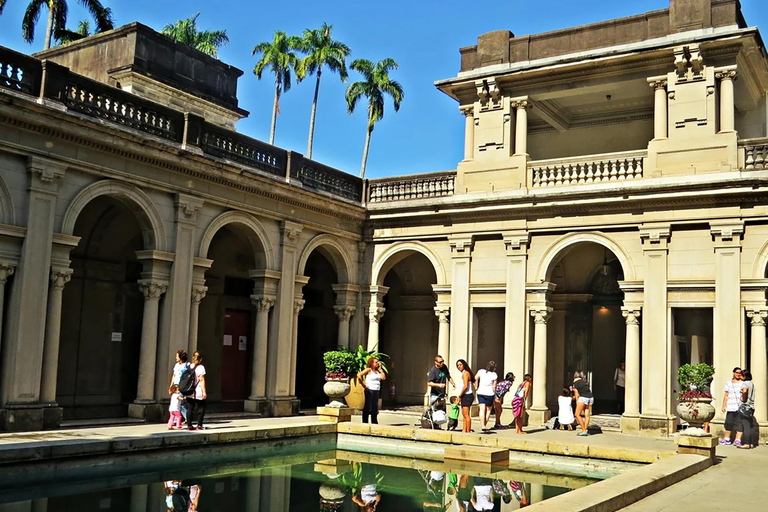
{"points": [[694, 380], [362, 356], [354, 480], [339, 364]]}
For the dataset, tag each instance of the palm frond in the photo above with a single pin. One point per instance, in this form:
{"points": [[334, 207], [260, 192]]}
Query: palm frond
{"points": [[102, 15], [31, 17]]}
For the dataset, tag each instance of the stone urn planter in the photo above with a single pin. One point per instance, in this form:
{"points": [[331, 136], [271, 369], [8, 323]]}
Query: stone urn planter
{"points": [[696, 411], [336, 389], [356, 397]]}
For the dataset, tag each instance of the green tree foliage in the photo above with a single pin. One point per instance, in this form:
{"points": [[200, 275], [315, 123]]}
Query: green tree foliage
{"points": [[206, 41]]}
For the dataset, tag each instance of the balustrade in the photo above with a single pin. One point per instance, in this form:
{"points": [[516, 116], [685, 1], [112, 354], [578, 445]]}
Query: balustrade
{"points": [[598, 170], [19, 72], [317, 176], [417, 187], [239, 148], [755, 154]]}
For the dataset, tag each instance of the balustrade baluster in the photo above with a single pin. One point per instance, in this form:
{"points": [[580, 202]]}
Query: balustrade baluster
{"points": [[622, 169], [760, 157]]}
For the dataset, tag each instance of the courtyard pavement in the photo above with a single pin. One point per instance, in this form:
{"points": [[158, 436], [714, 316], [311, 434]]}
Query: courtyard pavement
{"points": [[737, 480]]}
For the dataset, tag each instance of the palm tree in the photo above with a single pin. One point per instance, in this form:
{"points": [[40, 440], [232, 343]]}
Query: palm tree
{"points": [[57, 17], [322, 51], [65, 36], [376, 84], [207, 41], [280, 57]]}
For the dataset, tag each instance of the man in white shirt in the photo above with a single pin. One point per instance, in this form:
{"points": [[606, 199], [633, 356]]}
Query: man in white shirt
{"points": [[618, 386], [731, 401]]}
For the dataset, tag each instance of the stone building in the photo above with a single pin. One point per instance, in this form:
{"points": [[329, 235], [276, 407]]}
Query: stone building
{"points": [[610, 205]]}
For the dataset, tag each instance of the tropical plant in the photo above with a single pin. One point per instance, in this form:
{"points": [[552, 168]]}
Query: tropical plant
{"points": [[354, 479], [339, 364], [279, 55], [206, 41], [362, 356], [694, 380], [57, 17], [322, 51], [65, 35], [374, 87]]}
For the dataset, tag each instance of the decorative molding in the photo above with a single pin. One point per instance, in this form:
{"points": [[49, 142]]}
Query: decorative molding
{"points": [[198, 294], [345, 313], [6, 271], [263, 303], [757, 317], [298, 305], [728, 74], [462, 245], [727, 231], [540, 315], [289, 232], [60, 277], [375, 314], [657, 236], [152, 289], [443, 314], [188, 206], [631, 315], [657, 84]]}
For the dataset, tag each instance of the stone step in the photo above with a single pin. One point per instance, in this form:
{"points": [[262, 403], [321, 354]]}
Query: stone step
{"points": [[484, 454]]}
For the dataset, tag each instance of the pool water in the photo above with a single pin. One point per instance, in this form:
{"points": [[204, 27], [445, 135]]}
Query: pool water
{"points": [[319, 481]]}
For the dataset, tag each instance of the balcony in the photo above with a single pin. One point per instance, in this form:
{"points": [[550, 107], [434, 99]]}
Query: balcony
{"points": [[583, 170], [403, 188], [754, 154]]}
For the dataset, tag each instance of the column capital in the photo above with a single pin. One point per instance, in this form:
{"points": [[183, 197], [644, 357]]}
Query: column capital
{"points": [[727, 233], [656, 83], [467, 110], [344, 312], [461, 245], [289, 232], [442, 314], [263, 302], [187, 208], [519, 103], [757, 317], [540, 314], [60, 277], [725, 74], [375, 314], [655, 236], [298, 305], [152, 289], [6, 271], [631, 314], [198, 293], [516, 242], [45, 172]]}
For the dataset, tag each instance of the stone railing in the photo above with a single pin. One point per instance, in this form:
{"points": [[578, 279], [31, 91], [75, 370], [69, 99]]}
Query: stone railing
{"points": [[95, 99], [755, 154], [584, 170], [239, 148], [56, 83], [438, 184]]}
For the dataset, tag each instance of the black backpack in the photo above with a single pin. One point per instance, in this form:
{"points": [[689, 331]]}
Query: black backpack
{"points": [[180, 500], [187, 382]]}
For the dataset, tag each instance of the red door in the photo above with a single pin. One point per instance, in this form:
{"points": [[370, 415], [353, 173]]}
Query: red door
{"points": [[235, 352]]}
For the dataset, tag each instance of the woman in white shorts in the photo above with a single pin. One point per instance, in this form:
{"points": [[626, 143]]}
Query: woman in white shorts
{"points": [[584, 400]]}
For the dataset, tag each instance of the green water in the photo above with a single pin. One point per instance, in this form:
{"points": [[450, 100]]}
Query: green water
{"points": [[293, 482]]}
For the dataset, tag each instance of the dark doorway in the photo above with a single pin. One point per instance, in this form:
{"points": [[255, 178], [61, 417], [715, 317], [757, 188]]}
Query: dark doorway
{"points": [[235, 355]]}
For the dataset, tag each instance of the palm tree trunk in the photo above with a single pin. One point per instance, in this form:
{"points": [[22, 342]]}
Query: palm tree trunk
{"points": [[365, 151], [274, 114], [49, 29], [312, 117]]}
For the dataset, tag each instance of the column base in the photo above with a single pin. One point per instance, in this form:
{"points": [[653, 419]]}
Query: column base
{"points": [[284, 406], [151, 412], [697, 445], [538, 417], [630, 423], [22, 417], [657, 425], [257, 404], [335, 414], [52, 416]]}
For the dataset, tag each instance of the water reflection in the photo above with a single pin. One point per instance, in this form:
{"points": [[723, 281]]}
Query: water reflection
{"points": [[328, 484]]}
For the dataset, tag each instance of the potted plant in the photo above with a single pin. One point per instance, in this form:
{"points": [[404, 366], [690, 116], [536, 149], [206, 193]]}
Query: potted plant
{"points": [[695, 401], [339, 365], [356, 396]]}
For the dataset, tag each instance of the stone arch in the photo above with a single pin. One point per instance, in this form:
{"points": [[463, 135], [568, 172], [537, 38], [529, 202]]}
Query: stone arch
{"points": [[760, 266], [251, 229], [564, 244], [6, 205], [134, 198], [399, 251], [333, 249]]}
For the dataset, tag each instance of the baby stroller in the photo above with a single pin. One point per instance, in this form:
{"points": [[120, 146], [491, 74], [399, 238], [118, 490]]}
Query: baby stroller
{"points": [[434, 415]]}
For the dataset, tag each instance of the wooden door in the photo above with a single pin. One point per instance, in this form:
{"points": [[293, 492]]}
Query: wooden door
{"points": [[235, 355]]}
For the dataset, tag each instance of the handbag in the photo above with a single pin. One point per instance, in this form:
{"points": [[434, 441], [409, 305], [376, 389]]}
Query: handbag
{"points": [[745, 410]]}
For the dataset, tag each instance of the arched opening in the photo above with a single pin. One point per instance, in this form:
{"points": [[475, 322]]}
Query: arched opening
{"points": [[587, 330], [102, 313], [318, 328], [409, 327], [226, 317]]}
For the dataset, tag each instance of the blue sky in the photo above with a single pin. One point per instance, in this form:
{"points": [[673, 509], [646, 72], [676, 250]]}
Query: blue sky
{"points": [[424, 38]]}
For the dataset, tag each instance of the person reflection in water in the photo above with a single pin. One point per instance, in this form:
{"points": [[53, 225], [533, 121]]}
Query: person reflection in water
{"points": [[180, 498], [368, 497]]}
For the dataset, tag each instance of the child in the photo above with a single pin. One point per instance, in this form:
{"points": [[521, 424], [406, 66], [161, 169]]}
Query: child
{"points": [[565, 410], [453, 415], [501, 389], [175, 408]]}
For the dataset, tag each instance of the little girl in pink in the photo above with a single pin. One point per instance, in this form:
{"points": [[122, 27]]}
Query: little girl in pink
{"points": [[175, 408]]}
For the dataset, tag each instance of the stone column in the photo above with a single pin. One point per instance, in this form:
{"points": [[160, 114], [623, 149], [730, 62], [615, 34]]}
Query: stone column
{"points": [[152, 291], [469, 132], [374, 312], [728, 348], [6, 271], [177, 304], [726, 99], [515, 317], [655, 341], [444, 331], [539, 413], [632, 363], [461, 256], [659, 86], [281, 339], [139, 497], [262, 304], [59, 278], [298, 305], [21, 372], [759, 364], [345, 314], [521, 127], [198, 294]]}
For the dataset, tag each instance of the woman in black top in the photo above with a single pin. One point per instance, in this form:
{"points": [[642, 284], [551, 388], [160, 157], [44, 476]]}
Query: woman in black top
{"points": [[584, 400]]}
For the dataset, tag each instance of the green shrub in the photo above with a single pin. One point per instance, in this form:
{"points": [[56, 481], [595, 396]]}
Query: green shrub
{"points": [[339, 364], [694, 380]]}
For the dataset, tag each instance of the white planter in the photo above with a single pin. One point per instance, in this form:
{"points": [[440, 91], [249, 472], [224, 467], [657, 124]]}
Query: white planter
{"points": [[696, 411], [336, 389]]}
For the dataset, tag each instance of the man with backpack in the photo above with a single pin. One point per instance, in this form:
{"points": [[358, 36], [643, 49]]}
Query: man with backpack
{"points": [[183, 377]]}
